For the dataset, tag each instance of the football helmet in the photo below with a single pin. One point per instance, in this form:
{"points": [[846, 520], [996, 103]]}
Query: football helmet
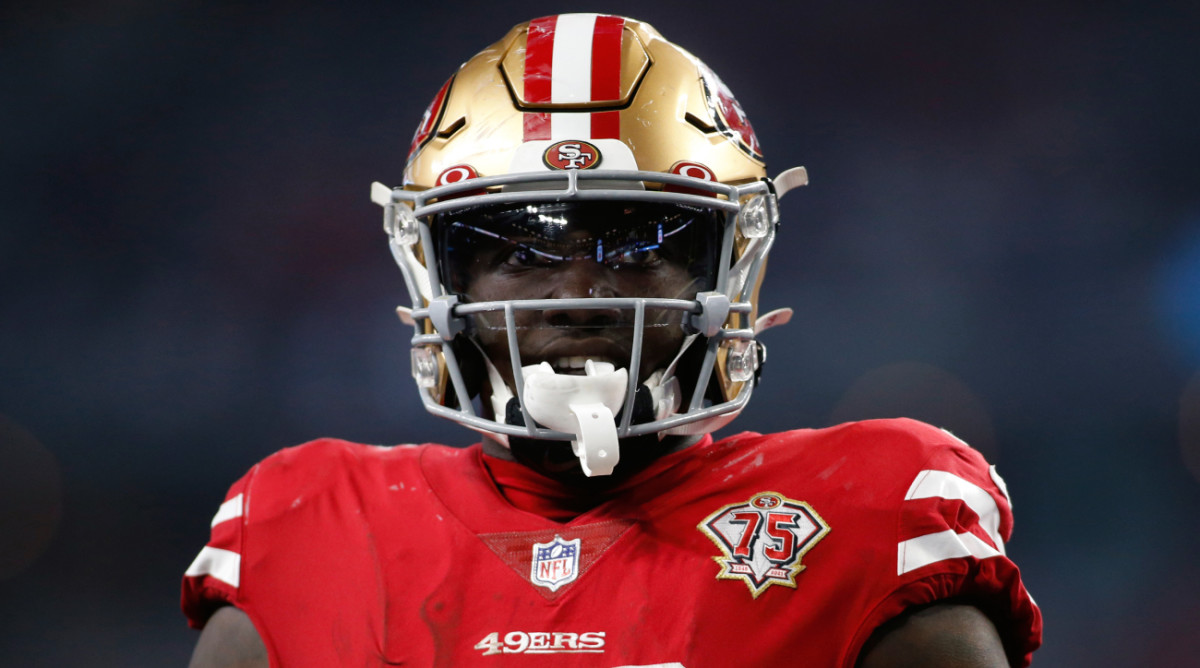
{"points": [[590, 140]]}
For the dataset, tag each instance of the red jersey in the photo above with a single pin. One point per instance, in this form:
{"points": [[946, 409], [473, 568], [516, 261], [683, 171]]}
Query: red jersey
{"points": [[779, 549]]}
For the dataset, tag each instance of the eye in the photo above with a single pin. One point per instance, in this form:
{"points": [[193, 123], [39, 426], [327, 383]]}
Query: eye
{"points": [[639, 256], [520, 256]]}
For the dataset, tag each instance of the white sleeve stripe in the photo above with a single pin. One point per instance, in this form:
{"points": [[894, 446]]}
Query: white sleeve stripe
{"points": [[932, 548], [229, 510], [1000, 484], [223, 565], [944, 485]]}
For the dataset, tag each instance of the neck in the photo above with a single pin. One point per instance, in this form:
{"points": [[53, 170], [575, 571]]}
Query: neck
{"points": [[554, 459]]}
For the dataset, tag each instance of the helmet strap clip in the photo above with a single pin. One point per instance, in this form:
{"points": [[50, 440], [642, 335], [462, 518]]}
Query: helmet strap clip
{"points": [[714, 311]]}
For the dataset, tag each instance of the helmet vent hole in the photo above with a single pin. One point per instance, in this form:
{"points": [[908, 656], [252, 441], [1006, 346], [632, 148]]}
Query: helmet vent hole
{"points": [[700, 125], [452, 128]]}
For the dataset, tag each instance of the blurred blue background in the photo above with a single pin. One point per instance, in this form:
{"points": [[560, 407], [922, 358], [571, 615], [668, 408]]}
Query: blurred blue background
{"points": [[1002, 236]]}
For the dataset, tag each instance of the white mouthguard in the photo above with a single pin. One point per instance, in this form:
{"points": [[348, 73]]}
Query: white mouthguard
{"points": [[580, 405]]}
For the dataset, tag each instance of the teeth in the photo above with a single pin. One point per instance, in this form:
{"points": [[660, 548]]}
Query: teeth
{"points": [[575, 363]]}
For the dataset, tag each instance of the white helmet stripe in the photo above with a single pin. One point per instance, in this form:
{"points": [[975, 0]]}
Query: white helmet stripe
{"points": [[571, 63]]}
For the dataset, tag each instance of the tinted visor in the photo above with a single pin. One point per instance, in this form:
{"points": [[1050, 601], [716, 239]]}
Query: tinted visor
{"points": [[639, 240]]}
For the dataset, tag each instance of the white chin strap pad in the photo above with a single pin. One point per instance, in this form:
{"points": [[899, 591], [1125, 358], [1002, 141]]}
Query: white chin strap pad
{"points": [[581, 405]]}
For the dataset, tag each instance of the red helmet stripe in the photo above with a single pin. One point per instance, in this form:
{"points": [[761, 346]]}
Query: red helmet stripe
{"points": [[606, 74], [539, 66], [537, 125], [606, 58], [539, 59], [606, 125]]}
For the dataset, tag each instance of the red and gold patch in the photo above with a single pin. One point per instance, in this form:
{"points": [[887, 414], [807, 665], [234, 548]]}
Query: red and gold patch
{"points": [[764, 539]]}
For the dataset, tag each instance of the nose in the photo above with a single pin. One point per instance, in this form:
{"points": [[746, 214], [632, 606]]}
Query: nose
{"points": [[582, 278]]}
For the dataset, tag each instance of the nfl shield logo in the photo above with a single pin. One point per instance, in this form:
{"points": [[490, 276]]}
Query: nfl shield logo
{"points": [[555, 563]]}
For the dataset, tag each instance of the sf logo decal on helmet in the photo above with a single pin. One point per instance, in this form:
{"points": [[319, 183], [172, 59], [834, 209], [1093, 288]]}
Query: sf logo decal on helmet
{"points": [[572, 154], [764, 539]]}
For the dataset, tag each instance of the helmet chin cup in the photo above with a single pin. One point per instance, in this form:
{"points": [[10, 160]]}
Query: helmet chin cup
{"points": [[581, 405]]}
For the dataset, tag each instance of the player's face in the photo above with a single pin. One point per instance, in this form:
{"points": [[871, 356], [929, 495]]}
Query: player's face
{"points": [[579, 251]]}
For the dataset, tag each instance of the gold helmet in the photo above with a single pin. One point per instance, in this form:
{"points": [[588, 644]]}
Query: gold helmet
{"points": [[572, 112]]}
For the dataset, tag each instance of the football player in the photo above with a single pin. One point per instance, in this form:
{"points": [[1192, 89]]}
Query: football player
{"points": [[583, 226]]}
